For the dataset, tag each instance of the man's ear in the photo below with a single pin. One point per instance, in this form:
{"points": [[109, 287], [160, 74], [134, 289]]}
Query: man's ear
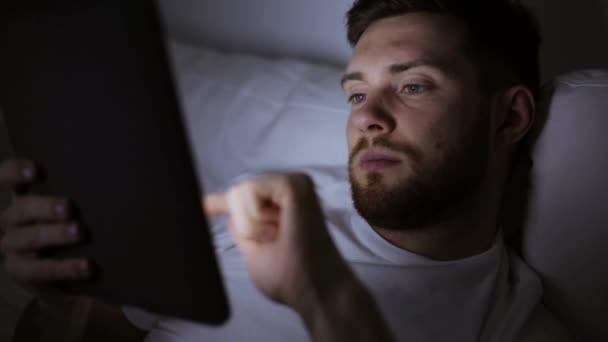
{"points": [[519, 112]]}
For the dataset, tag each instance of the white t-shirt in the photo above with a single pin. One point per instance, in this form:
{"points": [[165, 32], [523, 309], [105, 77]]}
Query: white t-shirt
{"points": [[492, 296]]}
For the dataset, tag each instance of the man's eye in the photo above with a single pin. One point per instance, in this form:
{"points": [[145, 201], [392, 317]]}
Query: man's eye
{"points": [[356, 98], [414, 88]]}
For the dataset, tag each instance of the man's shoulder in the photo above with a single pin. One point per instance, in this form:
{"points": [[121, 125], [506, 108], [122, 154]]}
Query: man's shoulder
{"points": [[543, 325]]}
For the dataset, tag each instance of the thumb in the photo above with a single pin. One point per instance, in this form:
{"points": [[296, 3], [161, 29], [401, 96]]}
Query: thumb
{"points": [[215, 204], [253, 217]]}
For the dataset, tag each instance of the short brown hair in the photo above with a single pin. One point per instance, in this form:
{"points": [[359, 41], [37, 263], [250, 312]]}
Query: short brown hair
{"points": [[502, 35]]}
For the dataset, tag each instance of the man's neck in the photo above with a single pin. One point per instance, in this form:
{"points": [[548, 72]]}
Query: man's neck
{"points": [[470, 230]]}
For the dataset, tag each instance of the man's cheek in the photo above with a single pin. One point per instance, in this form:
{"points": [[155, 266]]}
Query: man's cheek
{"points": [[351, 139]]}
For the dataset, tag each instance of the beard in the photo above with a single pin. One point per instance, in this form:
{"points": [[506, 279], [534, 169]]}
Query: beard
{"points": [[434, 189]]}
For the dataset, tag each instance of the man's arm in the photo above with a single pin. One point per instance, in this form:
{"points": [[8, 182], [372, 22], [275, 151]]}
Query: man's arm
{"points": [[70, 319], [348, 313], [277, 223]]}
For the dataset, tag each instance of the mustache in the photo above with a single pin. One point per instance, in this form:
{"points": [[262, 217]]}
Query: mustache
{"points": [[403, 148]]}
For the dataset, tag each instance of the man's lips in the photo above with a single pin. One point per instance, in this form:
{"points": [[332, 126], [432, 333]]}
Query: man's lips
{"points": [[377, 161]]}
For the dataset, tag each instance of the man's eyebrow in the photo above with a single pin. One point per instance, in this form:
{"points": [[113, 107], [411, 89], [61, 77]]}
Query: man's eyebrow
{"points": [[433, 63], [351, 76], [400, 67]]}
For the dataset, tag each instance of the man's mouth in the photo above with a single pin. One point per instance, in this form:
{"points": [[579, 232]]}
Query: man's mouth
{"points": [[375, 161]]}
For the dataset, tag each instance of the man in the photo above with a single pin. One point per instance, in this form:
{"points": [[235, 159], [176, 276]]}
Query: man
{"points": [[442, 94]]}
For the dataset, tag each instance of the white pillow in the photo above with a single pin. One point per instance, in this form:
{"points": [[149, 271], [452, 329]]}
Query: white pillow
{"points": [[247, 114], [566, 236]]}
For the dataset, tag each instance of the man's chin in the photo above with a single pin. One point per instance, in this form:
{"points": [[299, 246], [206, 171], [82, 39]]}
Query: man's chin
{"points": [[375, 179], [373, 203], [393, 203]]}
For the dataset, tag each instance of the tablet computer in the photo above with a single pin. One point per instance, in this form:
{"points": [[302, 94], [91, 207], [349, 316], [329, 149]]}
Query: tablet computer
{"points": [[86, 91]]}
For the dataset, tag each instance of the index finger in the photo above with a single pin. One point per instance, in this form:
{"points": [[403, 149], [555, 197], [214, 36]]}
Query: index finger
{"points": [[215, 204], [14, 172]]}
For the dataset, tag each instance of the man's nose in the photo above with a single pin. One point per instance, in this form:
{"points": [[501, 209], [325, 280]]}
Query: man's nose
{"points": [[374, 118]]}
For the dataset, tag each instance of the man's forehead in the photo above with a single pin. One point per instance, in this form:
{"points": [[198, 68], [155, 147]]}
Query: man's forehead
{"points": [[389, 52], [399, 56], [403, 39], [416, 23]]}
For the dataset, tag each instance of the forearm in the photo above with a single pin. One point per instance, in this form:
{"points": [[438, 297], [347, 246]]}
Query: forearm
{"points": [[74, 319], [62, 319], [348, 313]]}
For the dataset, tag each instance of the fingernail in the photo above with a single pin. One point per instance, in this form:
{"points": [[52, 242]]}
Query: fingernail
{"points": [[83, 268], [27, 172], [60, 209], [73, 231]]}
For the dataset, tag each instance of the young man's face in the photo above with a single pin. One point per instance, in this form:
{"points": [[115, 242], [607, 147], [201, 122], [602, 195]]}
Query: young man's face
{"points": [[419, 128]]}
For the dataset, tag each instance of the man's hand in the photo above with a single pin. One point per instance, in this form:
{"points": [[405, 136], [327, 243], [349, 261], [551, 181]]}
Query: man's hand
{"points": [[31, 224], [277, 223]]}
